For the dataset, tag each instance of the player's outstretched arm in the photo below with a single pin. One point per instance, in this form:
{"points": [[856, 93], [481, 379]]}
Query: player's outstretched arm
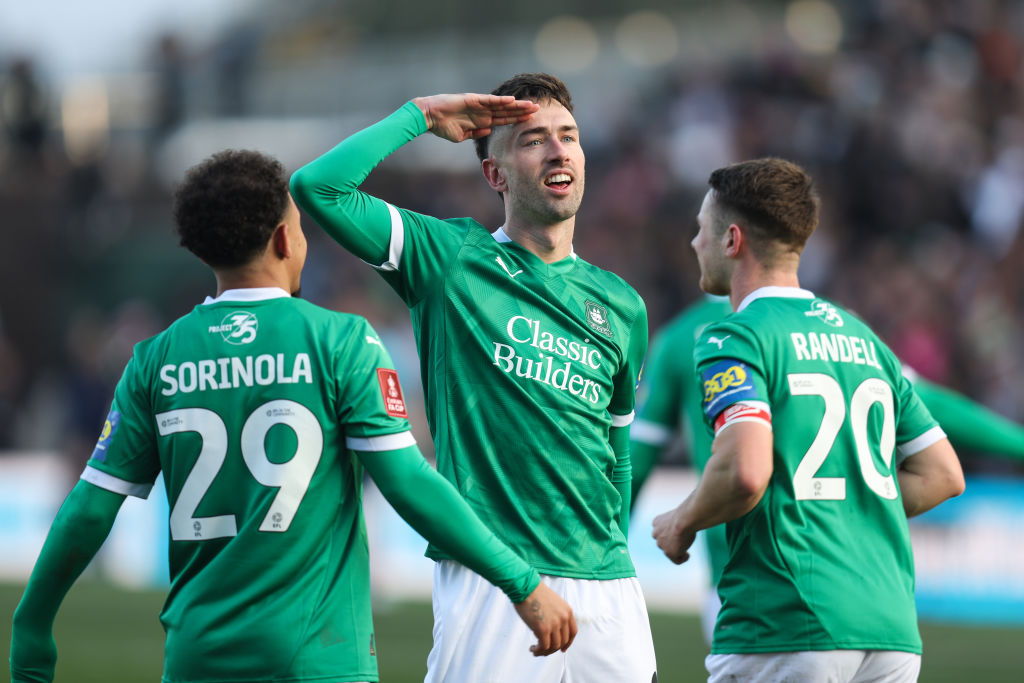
{"points": [[78, 531], [930, 477], [469, 115], [969, 424], [435, 509]]}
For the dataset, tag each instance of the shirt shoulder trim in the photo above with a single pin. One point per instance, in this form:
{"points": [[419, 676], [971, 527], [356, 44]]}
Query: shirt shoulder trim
{"points": [[914, 446], [115, 484], [650, 433], [396, 245], [622, 420], [387, 442]]}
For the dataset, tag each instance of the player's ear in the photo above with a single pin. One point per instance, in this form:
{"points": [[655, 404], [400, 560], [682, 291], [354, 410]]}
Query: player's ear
{"points": [[733, 239], [280, 241], [494, 175]]}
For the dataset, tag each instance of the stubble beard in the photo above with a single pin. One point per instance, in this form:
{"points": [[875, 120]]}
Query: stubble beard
{"points": [[713, 280], [546, 210]]}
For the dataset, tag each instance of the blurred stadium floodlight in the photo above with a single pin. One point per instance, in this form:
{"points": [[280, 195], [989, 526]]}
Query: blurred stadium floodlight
{"points": [[814, 26], [566, 44], [85, 119], [647, 38]]}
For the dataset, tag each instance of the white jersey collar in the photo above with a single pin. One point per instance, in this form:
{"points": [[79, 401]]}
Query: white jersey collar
{"points": [[248, 294], [500, 236], [777, 292]]}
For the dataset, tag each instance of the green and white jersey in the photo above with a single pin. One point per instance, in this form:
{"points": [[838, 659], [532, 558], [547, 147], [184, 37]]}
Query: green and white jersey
{"points": [[671, 402], [249, 405], [824, 560], [526, 366]]}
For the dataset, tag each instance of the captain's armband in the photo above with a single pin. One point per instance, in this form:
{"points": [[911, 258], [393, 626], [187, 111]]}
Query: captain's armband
{"points": [[746, 411]]}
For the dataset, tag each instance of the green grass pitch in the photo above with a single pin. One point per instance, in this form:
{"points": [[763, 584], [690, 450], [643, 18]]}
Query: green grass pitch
{"points": [[109, 635]]}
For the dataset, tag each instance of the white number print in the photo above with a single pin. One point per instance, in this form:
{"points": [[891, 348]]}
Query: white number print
{"points": [[806, 485], [292, 478], [214, 435]]}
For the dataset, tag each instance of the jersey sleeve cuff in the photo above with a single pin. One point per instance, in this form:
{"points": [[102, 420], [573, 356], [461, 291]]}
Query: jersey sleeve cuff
{"points": [[396, 245], [650, 433], [387, 442], [622, 420], [115, 484], [922, 442]]}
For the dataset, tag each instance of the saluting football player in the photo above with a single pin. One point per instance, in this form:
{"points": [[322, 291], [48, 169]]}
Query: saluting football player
{"points": [[529, 356]]}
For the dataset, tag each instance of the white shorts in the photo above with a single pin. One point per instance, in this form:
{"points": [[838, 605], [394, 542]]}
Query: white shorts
{"points": [[479, 637], [820, 666]]}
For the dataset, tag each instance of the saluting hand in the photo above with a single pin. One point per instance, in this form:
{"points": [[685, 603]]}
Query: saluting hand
{"points": [[470, 115], [550, 618]]}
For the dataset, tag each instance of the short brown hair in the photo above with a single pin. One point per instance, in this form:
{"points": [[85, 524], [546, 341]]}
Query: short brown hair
{"points": [[774, 197], [536, 87]]}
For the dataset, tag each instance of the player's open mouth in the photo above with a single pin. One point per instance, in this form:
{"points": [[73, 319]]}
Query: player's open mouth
{"points": [[559, 181]]}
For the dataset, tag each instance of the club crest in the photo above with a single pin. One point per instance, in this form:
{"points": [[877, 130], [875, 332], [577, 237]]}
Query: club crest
{"points": [[597, 318]]}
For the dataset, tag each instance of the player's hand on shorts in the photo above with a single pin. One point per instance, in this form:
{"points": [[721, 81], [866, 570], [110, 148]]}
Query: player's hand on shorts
{"points": [[469, 115], [550, 618], [672, 538]]}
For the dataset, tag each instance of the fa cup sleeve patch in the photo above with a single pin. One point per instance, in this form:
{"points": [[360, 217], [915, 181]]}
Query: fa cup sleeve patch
{"points": [[391, 390]]}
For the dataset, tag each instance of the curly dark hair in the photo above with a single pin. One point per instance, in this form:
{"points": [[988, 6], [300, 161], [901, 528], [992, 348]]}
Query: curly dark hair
{"points": [[775, 198], [537, 87], [227, 207]]}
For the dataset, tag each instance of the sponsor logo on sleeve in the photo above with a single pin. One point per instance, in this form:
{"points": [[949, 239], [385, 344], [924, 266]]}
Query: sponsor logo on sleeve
{"points": [[109, 429], [718, 340], [391, 390], [597, 318], [725, 383]]}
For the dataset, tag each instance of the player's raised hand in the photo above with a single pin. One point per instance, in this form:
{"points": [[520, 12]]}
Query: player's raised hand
{"points": [[672, 538], [550, 618], [470, 115]]}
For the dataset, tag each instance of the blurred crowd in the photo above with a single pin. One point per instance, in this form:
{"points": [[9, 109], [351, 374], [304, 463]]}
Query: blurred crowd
{"points": [[913, 128]]}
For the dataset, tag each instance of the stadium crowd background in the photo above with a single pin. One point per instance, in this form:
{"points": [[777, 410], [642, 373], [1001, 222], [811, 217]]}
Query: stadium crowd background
{"points": [[910, 115]]}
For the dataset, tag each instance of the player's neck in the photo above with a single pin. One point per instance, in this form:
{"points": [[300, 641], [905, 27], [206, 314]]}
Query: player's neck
{"points": [[249, 277], [549, 243], [744, 282]]}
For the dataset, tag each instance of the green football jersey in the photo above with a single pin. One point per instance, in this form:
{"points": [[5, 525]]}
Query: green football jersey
{"points": [[525, 365], [824, 560], [536, 362], [670, 402], [249, 405]]}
